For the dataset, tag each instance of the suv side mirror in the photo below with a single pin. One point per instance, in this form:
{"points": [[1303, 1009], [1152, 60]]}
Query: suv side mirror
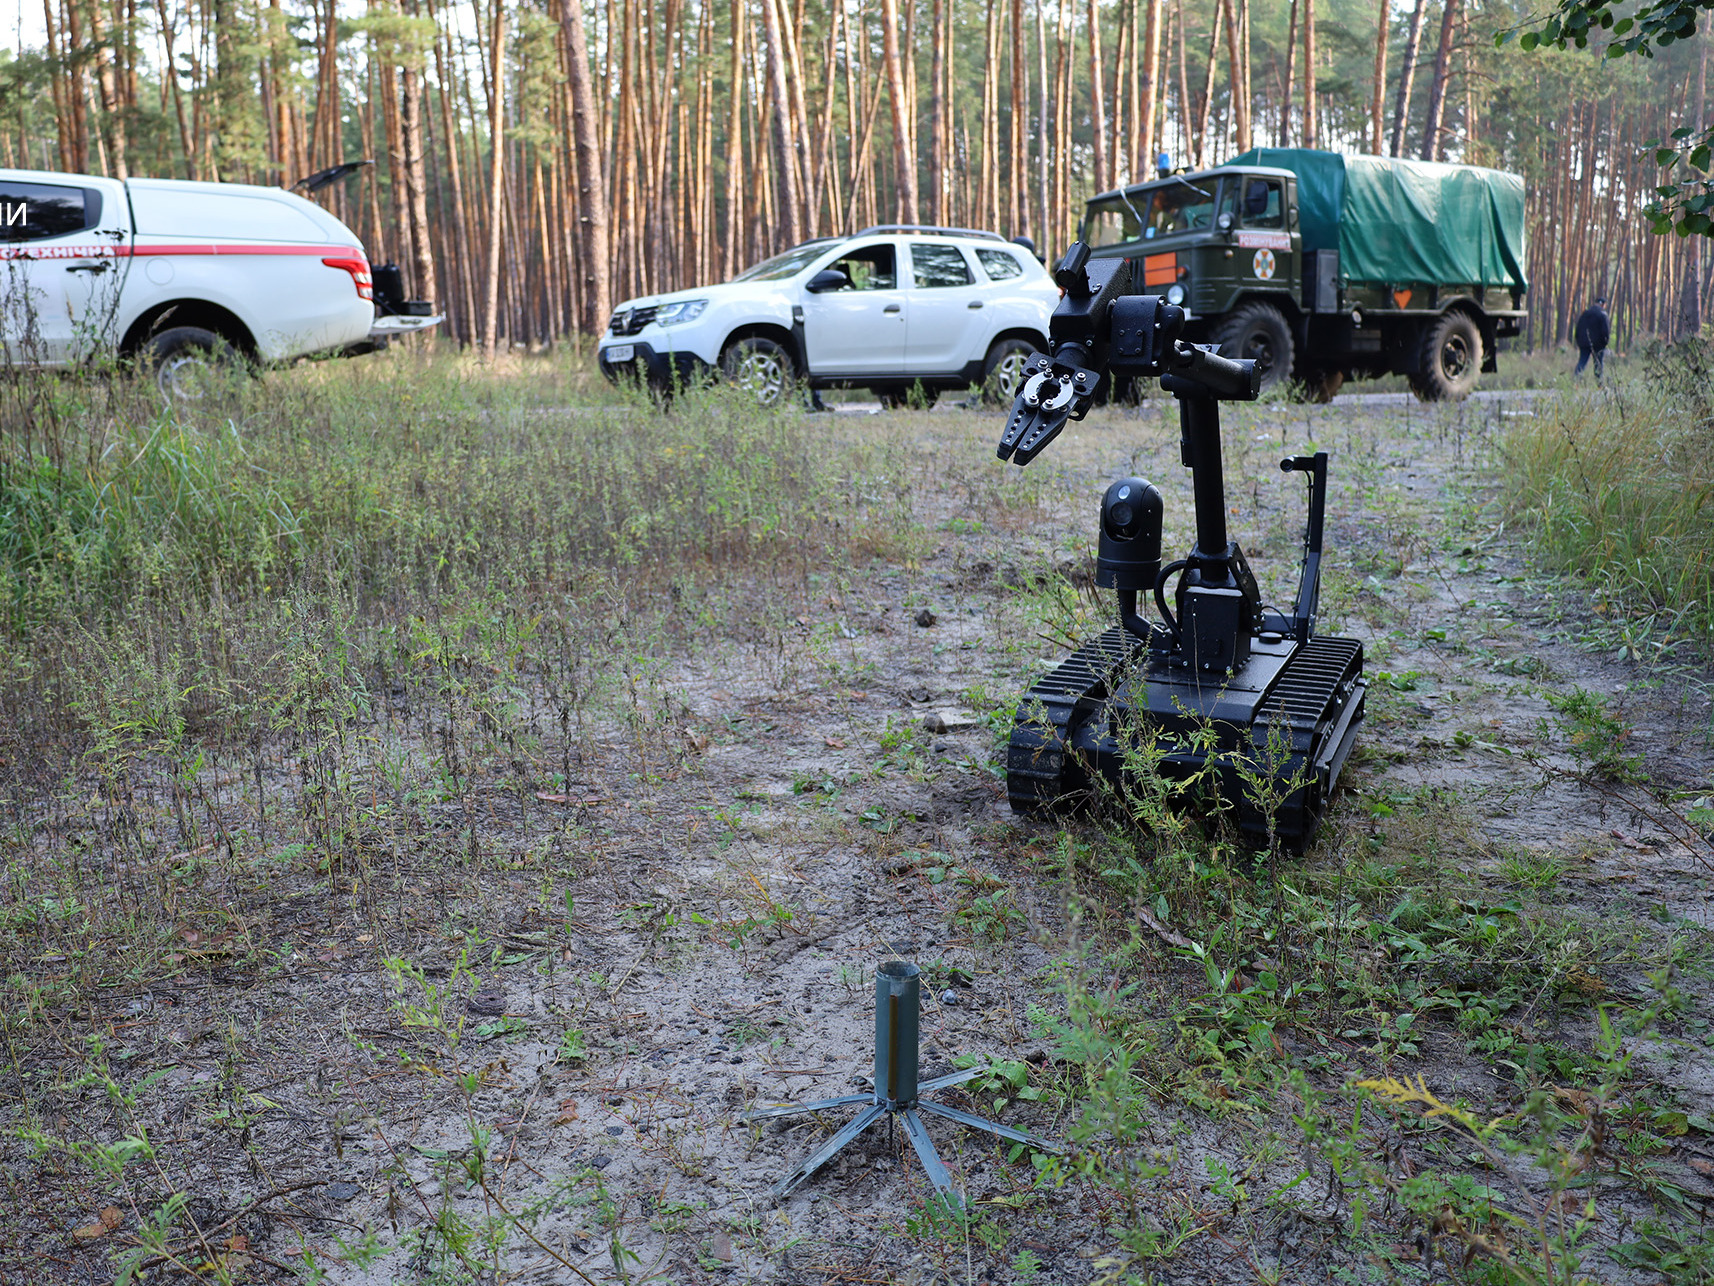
{"points": [[828, 279], [1224, 221]]}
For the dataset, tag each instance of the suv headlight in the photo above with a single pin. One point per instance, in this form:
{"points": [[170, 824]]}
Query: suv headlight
{"points": [[685, 310]]}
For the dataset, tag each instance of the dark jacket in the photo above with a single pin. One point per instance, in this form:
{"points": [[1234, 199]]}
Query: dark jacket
{"points": [[1592, 329]]}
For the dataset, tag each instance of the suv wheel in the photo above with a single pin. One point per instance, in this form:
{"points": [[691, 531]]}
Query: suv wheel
{"points": [[1451, 360], [1003, 372], [188, 362], [762, 366], [1259, 331]]}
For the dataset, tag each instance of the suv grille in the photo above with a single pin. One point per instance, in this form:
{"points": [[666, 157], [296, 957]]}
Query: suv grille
{"points": [[633, 321]]}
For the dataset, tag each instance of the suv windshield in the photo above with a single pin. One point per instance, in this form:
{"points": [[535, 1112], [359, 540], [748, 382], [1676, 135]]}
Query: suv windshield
{"points": [[785, 265], [1176, 206]]}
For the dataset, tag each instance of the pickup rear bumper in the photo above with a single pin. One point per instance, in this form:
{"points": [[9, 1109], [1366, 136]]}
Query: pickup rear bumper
{"points": [[384, 330], [396, 326]]}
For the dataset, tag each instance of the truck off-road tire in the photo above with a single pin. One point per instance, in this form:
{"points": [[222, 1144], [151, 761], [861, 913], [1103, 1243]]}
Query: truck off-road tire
{"points": [[762, 366], [1259, 331], [1003, 371], [187, 363], [1451, 359]]}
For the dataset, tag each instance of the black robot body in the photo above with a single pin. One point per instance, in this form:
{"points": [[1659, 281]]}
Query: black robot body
{"points": [[1219, 689]]}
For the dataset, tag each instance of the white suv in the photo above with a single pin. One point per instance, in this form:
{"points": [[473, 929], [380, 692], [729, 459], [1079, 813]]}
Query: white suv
{"points": [[891, 309]]}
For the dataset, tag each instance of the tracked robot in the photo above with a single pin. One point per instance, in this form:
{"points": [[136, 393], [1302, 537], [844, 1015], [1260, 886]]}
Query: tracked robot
{"points": [[1227, 691]]}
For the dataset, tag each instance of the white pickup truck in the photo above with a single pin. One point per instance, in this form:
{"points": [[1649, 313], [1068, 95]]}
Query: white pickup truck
{"points": [[177, 275]]}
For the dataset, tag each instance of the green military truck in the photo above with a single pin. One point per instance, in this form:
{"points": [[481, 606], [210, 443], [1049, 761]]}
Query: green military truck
{"points": [[1325, 267]]}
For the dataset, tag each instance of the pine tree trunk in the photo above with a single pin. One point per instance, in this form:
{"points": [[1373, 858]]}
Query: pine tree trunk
{"points": [[904, 163], [1097, 107], [936, 194], [1235, 78], [789, 227], [1064, 68], [1017, 206], [1183, 113], [1121, 59], [988, 186], [790, 27], [735, 145], [1199, 138], [954, 209], [1471, 116], [107, 82], [1378, 91], [168, 28], [464, 320], [327, 93], [411, 141], [1043, 131], [1407, 77], [1311, 121], [1284, 134], [826, 161], [595, 288], [1133, 96], [1151, 95], [496, 183], [1690, 302], [60, 85], [1431, 132]]}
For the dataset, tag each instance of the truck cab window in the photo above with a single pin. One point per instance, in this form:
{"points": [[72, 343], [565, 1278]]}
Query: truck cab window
{"points": [[1111, 223], [1264, 204], [1179, 207], [1142, 214], [37, 211], [870, 268]]}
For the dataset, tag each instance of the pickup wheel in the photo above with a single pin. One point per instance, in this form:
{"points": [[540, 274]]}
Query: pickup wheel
{"points": [[187, 363], [1003, 371], [1259, 331], [762, 366], [1451, 359]]}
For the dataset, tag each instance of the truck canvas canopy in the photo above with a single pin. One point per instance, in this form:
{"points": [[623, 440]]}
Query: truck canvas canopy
{"points": [[1394, 220]]}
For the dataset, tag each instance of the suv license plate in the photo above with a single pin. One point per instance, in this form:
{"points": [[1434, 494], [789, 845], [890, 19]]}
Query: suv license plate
{"points": [[621, 353]]}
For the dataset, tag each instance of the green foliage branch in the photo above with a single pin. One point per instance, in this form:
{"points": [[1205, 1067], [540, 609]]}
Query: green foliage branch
{"points": [[1684, 204]]}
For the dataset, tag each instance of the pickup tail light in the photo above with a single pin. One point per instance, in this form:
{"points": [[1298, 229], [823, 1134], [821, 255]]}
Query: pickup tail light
{"points": [[358, 267]]}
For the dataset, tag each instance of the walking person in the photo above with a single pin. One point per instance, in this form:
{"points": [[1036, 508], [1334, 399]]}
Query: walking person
{"points": [[1592, 333]]}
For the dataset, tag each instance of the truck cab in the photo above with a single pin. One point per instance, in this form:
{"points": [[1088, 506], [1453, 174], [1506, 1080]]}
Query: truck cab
{"points": [[1205, 240]]}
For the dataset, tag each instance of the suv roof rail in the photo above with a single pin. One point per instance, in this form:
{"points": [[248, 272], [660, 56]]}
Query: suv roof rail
{"points": [[930, 230]]}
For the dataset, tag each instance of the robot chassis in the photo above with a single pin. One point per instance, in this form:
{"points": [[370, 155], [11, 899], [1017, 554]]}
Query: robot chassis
{"points": [[1219, 682]]}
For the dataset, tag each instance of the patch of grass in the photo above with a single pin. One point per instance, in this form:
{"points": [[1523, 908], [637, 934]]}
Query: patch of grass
{"points": [[1615, 484]]}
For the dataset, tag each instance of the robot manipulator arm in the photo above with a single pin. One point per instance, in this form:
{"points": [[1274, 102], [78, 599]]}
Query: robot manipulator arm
{"points": [[1099, 327], [1063, 387]]}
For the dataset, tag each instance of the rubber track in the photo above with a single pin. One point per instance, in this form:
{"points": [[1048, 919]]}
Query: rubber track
{"points": [[1035, 756], [1306, 688]]}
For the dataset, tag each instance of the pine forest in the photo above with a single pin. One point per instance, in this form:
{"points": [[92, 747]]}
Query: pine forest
{"points": [[646, 145]]}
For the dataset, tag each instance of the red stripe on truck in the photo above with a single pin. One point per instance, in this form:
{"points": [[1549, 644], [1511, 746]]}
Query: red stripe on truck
{"points": [[137, 252]]}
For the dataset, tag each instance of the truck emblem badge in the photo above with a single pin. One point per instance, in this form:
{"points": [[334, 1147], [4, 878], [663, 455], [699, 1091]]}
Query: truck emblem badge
{"points": [[1264, 264]]}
